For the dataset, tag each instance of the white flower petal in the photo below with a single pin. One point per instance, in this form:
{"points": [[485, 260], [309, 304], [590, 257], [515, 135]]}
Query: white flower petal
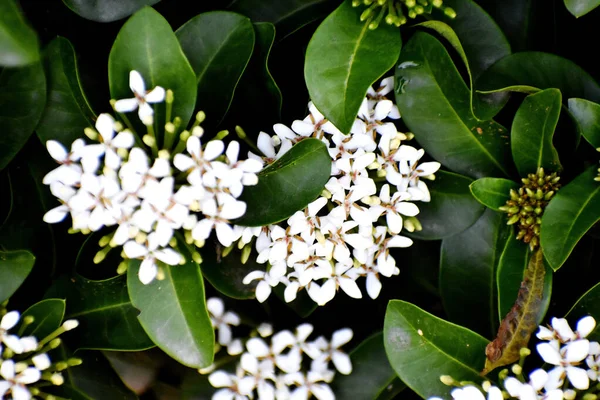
{"points": [[585, 326], [258, 348], [549, 354], [220, 379], [126, 105], [263, 290], [136, 83], [341, 337], [57, 150], [156, 95], [350, 287], [373, 285], [578, 378], [213, 149], [30, 375], [9, 320], [41, 361], [577, 351], [148, 271], [342, 362]]}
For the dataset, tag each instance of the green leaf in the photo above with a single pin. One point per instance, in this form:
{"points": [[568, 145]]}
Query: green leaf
{"points": [[512, 268], [468, 272], [47, 317], [493, 192], [106, 10], [67, 111], [371, 372], [287, 15], [18, 41], [147, 44], [107, 319], [218, 45], [451, 210], [516, 19], [225, 273], [588, 304], [173, 312], [533, 130], [518, 325], [581, 7], [345, 57], [587, 115], [416, 341], [15, 266], [426, 75], [573, 210], [543, 71], [22, 99], [287, 185]]}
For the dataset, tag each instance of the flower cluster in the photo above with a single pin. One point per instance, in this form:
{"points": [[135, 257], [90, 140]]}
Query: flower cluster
{"points": [[573, 362], [527, 205], [25, 367], [393, 10], [273, 366], [349, 231], [184, 185]]}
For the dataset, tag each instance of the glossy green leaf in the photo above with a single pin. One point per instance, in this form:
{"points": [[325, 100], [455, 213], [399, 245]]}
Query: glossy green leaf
{"points": [[521, 322], [543, 71], [533, 130], [371, 372], [287, 15], [226, 273], [18, 41], [107, 319], [493, 192], [106, 10], [588, 304], [67, 111], [15, 266], [451, 210], [47, 317], [147, 44], [218, 45], [573, 210], [344, 57], [587, 115], [468, 272], [287, 185], [173, 312], [22, 99], [511, 272], [581, 7], [416, 341], [516, 19], [426, 75]]}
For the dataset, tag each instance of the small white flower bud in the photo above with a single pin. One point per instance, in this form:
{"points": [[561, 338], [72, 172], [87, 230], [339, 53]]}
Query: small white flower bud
{"points": [[447, 380], [70, 324]]}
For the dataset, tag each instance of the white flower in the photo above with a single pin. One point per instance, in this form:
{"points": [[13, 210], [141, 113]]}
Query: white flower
{"points": [[411, 171], [150, 254], [562, 332], [266, 281], [234, 387], [222, 319], [69, 172], [473, 393], [566, 359], [307, 384], [218, 216], [199, 159], [141, 99], [9, 321], [336, 277], [267, 144], [393, 208], [314, 124], [109, 143], [16, 384]]}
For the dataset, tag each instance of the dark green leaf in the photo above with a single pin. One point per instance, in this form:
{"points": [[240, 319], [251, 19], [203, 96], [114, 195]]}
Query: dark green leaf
{"points": [[421, 347], [518, 325], [287, 15], [581, 7], [66, 391], [493, 192], [218, 45], [515, 18], [106, 10], [15, 266], [226, 273], [147, 44], [570, 214], [344, 57], [47, 317], [587, 115], [173, 312], [67, 111], [426, 75], [468, 273], [287, 185], [107, 319], [22, 99], [533, 130], [588, 304], [451, 210], [371, 372], [18, 42], [543, 71], [511, 272]]}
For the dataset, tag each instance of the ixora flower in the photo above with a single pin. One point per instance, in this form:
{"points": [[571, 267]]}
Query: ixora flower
{"points": [[348, 232], [146, 194], [25, 367], [276, 369]]}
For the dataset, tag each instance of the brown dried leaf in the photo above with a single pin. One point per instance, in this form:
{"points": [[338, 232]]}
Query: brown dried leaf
{"points": [[521, 321]]}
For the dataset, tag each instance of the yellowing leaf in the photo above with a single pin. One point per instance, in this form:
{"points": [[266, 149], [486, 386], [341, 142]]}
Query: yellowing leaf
{"points": [[521, 321]]}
